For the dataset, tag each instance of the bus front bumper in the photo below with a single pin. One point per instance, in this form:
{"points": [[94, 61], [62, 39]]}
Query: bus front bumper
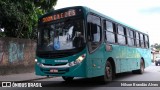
{"points": [[61, 70], [53, 67]]}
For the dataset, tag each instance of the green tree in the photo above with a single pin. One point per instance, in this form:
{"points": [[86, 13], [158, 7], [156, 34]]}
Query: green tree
{"points": [[45, 5], [19, 17], [156, 46]]}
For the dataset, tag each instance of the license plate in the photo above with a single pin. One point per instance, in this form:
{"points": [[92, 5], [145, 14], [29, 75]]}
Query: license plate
{"points": [[53, 70]]}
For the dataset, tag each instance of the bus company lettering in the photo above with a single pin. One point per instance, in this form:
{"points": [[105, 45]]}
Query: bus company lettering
{"points": [[59, 16], [60, 60]]}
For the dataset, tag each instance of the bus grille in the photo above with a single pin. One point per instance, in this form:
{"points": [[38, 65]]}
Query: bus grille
{"points": [[53, 55]]}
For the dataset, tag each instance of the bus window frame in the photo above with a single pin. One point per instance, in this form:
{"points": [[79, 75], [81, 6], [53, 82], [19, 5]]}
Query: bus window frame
{"points": [[146, 41], [108, 31], [131, 37], [120, 34]]}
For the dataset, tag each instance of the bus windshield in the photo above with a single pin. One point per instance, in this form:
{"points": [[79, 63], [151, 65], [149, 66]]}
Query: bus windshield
{"points": [[64, 35]]}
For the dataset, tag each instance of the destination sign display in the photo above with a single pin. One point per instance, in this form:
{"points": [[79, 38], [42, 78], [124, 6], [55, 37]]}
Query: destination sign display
{"points": [[58, 16]]}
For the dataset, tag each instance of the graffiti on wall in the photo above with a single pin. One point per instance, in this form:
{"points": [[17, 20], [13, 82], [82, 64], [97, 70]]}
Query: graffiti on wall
{"points": [[1, 52], [16, 52]]}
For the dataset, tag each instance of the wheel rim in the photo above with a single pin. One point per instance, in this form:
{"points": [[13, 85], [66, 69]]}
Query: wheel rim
{"points": [[108, 71], [142, 66]]}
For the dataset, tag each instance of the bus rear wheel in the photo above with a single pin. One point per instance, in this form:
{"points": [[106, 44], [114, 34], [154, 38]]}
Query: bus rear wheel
{"points": [[67, 79], [141, 70]]}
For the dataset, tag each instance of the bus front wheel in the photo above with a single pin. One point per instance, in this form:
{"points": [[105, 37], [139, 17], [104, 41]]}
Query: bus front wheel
{"points": [[108, 73], [67, 79]]}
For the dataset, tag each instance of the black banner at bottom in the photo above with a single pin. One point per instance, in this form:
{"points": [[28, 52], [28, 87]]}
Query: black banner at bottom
{"points": [[80, 84]]}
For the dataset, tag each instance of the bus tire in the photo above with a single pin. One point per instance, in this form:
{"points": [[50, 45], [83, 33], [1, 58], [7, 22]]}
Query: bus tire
{"points": [[141, 70], [67, 79], [108, 73]]}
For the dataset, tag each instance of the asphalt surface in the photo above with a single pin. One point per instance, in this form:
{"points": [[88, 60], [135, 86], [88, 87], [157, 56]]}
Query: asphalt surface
{"points": [[151, 75]]}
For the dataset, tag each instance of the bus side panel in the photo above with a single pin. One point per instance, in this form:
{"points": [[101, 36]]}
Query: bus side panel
{"points": [[125, 58], [146, 54]]}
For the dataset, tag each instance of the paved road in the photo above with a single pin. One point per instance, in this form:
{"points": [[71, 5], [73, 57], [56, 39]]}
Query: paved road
{"points": [[151, 74]]}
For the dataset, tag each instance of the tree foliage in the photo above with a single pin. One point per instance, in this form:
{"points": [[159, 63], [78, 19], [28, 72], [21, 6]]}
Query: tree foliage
{"points": [[45, 5], [19, 17], [156, 46]]}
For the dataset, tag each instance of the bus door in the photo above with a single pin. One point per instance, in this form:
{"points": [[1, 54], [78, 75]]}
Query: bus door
{"points": [[95, 56]]}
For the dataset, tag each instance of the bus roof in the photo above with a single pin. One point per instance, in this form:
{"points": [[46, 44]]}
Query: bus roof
{"points": [[110, 18], [88, 10]]}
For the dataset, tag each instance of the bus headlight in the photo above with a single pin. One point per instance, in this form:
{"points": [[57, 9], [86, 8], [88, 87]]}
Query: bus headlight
{"points": [[78, 60]]}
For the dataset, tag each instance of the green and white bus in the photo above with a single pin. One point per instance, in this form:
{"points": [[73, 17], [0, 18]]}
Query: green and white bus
{"points": [[80, 42]]}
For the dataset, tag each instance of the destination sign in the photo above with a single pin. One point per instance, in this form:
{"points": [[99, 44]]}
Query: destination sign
{"points": [[58, 16]]}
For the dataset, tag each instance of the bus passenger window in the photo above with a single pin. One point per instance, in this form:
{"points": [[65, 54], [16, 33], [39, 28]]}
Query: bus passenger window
{"points": [[110, 37], [141, 40], [137, 39], [146, 41], [130, 36], [121, 37], [110, 34], [109, 26]]}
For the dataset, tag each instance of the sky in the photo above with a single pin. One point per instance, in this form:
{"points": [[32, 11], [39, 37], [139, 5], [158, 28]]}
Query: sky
{"points": [[143, 15]]}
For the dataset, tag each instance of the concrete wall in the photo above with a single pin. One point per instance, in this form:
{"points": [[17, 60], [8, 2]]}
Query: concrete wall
{"points": [[16, 55]]}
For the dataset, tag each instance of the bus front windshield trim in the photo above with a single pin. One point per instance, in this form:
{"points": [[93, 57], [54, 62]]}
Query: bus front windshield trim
{"points": [[64, 35]]}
